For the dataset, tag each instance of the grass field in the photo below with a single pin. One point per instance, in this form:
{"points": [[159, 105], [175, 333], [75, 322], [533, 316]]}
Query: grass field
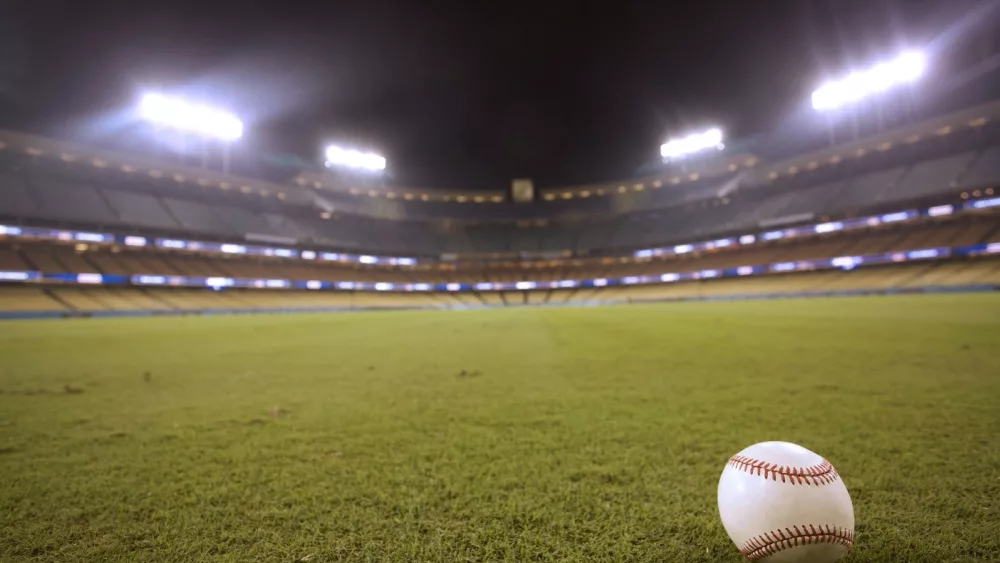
{"points": [[576, 434]]}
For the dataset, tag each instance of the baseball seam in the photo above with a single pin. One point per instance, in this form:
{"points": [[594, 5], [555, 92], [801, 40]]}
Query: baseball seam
{"points": [[822, 474], [779, 540]]}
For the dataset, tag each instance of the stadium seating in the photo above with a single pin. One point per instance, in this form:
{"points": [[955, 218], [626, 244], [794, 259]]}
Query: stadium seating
{"points": [[43, 261], [135, 300], [927, 178], [11, 260], [48, 190], [198, 217], [471, 239], [70, 201], [984, 172], [880, 278], [287, 228], [15, 198], [136, 208], [243, 221], [20, 298], [52, 259], [84, 299]]}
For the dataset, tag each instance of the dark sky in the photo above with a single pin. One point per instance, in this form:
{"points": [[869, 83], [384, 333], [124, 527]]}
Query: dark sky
{"points": [[461, 94]]}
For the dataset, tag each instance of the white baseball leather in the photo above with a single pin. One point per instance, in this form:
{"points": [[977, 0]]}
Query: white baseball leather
{"points": [[781, 503]]}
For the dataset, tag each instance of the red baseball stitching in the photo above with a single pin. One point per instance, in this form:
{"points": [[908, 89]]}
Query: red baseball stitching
{"points": [[822, 474], [778, 540]]}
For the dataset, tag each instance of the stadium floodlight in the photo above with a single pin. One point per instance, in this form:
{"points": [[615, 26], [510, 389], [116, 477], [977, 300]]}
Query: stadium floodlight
{"points": [[904, 69], [350, 158], [178, 113], [690, 144]]}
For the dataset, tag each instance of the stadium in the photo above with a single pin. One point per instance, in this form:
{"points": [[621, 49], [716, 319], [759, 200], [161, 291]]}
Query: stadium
{"points": [[95, 233], [197, 364]]}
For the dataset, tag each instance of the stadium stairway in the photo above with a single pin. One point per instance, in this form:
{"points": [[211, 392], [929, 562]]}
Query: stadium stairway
{"points": [[53, 295]]}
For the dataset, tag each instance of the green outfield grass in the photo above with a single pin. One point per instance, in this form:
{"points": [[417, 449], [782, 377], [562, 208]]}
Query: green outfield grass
{"points": [[534, 434]]}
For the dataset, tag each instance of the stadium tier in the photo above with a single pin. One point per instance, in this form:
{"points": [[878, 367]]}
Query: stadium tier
{"points": [[957, 250]]}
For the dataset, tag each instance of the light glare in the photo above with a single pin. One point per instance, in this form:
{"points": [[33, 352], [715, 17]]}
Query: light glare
{"points": [[350, 158], [904, 69], [695, 142], [177, 113]]}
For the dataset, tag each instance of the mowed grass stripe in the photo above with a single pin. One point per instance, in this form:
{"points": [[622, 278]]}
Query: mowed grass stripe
{"points": [[569, 434]]}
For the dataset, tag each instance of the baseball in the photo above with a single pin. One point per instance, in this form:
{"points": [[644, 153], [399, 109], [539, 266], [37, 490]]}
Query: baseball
{"points": [[780, 502]]}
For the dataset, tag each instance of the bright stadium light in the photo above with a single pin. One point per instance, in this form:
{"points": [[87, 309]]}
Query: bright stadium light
{"points": [[904, 69], [186, 116], [695, 142], [350, 158]]}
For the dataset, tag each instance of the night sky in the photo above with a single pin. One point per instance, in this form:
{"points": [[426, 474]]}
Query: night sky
{"points": [[465, 94]]}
